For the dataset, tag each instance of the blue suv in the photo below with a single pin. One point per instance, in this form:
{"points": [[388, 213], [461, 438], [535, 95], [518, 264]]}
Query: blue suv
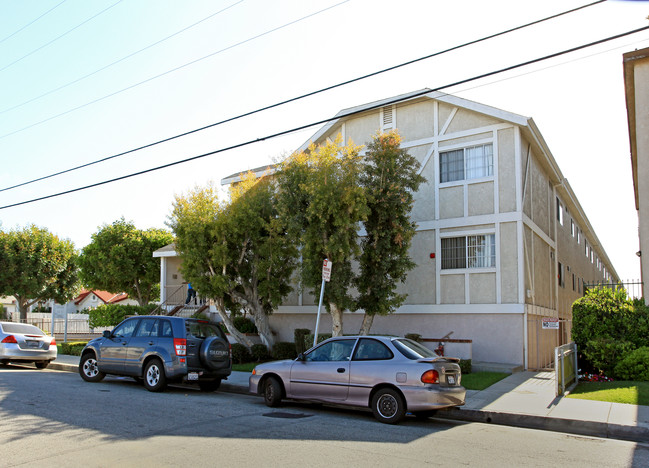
{"points": [[157, 350]]}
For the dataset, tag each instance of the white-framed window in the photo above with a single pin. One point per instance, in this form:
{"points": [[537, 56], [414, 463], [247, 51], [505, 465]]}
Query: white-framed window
{"points": [[466, 163], [573, 228], [477, 251], [559, 212]]}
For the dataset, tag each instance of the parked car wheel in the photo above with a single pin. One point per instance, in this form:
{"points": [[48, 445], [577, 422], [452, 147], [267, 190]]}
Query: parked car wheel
{"points": [[88, 368], [388, 406], [42, 364], [272, 392], [209, 385], [154, 376]]}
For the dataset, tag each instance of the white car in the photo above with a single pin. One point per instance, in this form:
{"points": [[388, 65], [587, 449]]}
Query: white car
{"points": [[23, 343]]}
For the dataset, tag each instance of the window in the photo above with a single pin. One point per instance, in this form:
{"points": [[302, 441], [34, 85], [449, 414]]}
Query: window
{"points": [[371, 350], [561, 276], [559, 212], [469, 252], [339, 350], [148, 327], [466, 163], [125, 329], [572, 228]]}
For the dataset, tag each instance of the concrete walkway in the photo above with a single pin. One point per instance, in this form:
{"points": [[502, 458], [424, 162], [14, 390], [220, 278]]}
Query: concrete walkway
{"points": [[524, 399]]}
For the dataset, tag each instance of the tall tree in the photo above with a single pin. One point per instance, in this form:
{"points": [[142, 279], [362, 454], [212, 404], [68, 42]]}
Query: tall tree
{"points": [[119, 258], [323, 203], [390, 177], [245, 258], [37, 266]]}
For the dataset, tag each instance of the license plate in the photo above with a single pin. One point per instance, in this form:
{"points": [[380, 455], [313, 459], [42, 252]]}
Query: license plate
{"points": [[33, 344], [192, 376], [450, 379]]}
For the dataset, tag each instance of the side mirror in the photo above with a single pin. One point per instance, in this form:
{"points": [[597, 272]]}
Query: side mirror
{"points": [[300, 357], [106, 334]]}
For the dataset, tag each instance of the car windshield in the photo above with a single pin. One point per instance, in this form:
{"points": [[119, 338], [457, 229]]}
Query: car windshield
{"points": [[203, 329], [21, 328], [412, 349]]}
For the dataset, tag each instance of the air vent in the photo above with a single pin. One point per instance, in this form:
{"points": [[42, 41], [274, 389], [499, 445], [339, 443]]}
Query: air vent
{"points": [[387, 121]]}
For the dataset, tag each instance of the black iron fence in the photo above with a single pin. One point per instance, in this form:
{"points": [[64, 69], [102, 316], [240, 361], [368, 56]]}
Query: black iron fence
{"points": [[633, 288]]}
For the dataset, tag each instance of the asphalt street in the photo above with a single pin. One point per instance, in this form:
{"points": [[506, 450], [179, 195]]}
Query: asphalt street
{"points": [[51, 418]]}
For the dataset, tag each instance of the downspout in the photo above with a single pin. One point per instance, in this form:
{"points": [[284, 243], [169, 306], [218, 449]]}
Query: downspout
{"points": [[529, 274]]}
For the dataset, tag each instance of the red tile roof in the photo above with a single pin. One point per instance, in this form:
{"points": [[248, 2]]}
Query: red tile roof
{"points": [[105, 296]]}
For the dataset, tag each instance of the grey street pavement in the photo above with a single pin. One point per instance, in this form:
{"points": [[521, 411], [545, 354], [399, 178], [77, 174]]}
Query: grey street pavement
{"points": [[524, 399]]}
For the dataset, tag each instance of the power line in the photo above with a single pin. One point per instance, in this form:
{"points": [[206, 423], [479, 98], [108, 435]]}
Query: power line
{"points": [[51, 91], [31, 22], [287, 101], [180, 67], [339, 116], [59, 37]]}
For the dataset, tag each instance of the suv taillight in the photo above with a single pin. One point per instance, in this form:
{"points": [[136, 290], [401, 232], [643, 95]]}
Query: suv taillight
{"points": [[180, 345]]}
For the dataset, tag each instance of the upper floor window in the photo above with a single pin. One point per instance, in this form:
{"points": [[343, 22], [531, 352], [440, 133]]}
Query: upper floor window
{"points": [[559, 212], [469, 252], [466, 163]]}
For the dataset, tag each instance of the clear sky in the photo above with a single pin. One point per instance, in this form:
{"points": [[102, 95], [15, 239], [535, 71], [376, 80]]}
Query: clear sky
{"points": [[82, 80]]}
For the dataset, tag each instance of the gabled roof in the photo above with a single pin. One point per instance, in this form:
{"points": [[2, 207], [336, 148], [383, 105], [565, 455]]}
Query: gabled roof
{"points": [[105, 296]]}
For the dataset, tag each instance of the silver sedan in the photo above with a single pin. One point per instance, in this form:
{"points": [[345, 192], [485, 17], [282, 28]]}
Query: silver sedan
{"points": [[392, 376], [21, 342]]}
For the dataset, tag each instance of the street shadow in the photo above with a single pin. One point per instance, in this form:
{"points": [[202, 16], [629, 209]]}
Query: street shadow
{"points": [[119, 408]]}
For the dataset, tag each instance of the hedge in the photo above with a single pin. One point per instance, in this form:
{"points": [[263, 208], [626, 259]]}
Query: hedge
{"points": [[109, 315]]}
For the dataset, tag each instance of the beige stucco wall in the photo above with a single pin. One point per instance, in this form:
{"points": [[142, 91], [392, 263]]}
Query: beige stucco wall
{"points": [[481, 198], [415, 121], [421, 285], [496, 337], [506, 171], [451, 202], [508, 249]]}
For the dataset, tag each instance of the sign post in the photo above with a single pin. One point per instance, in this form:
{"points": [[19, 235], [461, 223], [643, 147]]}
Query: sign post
{"points": [[326, 276]]}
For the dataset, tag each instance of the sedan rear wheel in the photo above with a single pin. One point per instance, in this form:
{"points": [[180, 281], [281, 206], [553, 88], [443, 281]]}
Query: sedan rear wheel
{"points": [[272, 392], [388, 406], [154, 376], [88, 368]]}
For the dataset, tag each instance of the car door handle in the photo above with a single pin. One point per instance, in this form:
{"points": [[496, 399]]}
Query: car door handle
{"points": [[341, 370], [151, 343]]}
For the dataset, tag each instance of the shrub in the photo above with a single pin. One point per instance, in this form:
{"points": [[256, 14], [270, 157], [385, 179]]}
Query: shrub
{"points": [[635, 366], [607, 326], [413, 336], [260, 352], [244, 325], [240, 354], [73, 348], [465, 366], [299, 336], [284, 350], [109, 315]]}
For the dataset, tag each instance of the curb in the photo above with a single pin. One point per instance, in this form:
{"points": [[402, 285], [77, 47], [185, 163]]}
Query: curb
{"points": [[571, 426]]}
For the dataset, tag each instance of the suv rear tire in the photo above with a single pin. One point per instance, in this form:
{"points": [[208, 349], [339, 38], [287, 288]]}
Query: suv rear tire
{"points": [[154, 376]]}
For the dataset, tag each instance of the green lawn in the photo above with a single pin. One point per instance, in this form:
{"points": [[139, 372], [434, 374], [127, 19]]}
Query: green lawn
{"points": [[481, 380], [634, 393], [247, 367]]}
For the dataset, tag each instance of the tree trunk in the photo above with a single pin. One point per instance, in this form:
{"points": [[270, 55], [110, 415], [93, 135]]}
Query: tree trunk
{"points": [[368, 320], [263, 327], [336, 320], [238, 336], [23, 304]]}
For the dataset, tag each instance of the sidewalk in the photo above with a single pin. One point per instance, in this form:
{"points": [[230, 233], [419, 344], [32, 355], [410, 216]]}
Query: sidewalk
{"points": [[524, 399]]}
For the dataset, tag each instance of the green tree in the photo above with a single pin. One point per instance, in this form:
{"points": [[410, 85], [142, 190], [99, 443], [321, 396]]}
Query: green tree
{"points": [[390, 177], [322, 202], [37, 266], [120, 259], [237, 253]]}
